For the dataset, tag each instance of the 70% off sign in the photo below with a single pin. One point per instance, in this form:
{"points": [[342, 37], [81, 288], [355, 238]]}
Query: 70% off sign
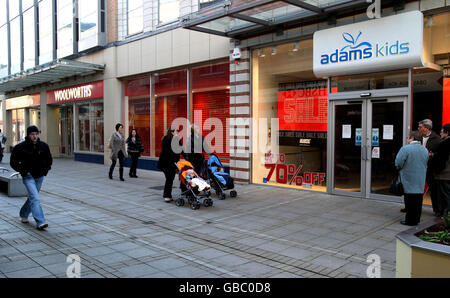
{"points": [[282, 171]]}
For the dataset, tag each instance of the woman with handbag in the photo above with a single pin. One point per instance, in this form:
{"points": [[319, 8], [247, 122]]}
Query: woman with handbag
{"points": [[412, 162], [135, 149], [117, 145]]}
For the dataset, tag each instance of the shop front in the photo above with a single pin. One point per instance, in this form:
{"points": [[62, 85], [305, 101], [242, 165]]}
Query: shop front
{"points": [[80, 121], [23, 112], [192, 95], [330, 113]]}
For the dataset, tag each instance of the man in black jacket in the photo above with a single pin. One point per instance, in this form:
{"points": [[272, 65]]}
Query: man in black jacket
{"points": [[441, 165], [431, 141], [32, 159]]}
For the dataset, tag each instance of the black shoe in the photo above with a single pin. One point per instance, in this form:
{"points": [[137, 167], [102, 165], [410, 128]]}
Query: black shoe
{"points": [[406, 224], [42, 227], [403, 210], [121, 179], [135, 176]]}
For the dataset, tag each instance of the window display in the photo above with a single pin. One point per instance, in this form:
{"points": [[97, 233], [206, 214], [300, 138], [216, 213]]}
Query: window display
{"points": [[290, 112]]}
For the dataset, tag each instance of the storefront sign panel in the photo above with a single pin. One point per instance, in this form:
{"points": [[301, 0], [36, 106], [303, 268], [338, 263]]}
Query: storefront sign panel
{"points": [[75, 93], [26, 101], [394, 42]]}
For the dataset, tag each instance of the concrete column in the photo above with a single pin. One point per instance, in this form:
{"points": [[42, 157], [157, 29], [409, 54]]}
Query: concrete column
{"points": [[49, 125], [112, 105]]}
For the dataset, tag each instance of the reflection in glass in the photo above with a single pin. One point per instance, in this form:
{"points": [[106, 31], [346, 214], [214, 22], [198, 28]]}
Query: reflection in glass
{"points": [[84, 135], [135, 16], [386, 116], [97, 126], [65, 29], [29, 59], [15, 45], [88, 18], [347, 161], [45, 31], [66, 130], [3, 52], [169, 10], [2, 12]]}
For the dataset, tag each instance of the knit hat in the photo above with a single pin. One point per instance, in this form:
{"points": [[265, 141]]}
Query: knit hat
{"points": [[31, 129]]}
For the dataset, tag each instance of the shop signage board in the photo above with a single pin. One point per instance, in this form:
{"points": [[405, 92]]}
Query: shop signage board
{"points": [[75, 93], [389, 43]]}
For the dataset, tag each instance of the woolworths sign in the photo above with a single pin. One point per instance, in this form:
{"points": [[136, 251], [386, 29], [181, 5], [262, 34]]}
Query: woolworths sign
{"points": [[75, 93], [378, 45]]}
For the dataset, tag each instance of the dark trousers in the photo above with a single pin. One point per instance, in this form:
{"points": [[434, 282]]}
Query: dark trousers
{"points": [[413, 205], [121, 157], [443, 194], [170, 175], [134, 163], [433, 191]]}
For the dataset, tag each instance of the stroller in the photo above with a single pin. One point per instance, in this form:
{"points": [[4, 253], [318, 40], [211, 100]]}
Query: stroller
{"points": [[219, 180], [194, 190]]}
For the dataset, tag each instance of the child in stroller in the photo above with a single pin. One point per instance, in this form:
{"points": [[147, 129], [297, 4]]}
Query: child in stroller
{"points": [[193, 187], [218, 179]]}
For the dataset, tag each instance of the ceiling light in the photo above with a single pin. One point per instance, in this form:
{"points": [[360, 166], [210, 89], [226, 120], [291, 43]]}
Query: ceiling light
{"points": [[296, 46], [274, 51]]}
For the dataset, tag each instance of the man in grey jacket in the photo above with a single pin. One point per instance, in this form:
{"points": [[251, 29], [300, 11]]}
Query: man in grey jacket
{"points": [[441, 165], [412, 162]]}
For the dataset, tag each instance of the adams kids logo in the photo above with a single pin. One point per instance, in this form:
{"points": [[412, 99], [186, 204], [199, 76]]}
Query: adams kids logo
{"points": [[355, 50]]}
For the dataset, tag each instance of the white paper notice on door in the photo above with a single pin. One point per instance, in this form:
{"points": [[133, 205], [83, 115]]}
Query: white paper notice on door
{"points": [[346, 131], [376, 152], [388, 132]]}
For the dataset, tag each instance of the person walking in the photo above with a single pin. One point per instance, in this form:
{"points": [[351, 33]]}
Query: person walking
{"points": [[430, 141], [32, 159], [117, 145], [167, 161], [2, 144], [412, 162], [441, 166], [135, 149], [196, 147]]}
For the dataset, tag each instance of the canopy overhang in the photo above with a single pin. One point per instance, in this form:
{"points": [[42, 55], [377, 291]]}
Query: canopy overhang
{"points": [[51, 72], [257, 17]]}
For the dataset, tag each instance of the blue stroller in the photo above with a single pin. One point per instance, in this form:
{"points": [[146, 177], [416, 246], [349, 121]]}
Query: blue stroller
{"points": [[219, 180]]}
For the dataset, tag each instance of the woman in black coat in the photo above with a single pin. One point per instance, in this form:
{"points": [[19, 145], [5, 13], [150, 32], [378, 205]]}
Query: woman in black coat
{"points": [[135, 149], [167, 161]]}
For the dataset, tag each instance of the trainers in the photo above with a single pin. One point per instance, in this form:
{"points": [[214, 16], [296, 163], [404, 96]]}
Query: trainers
{"points": [[42, 227], [168, 200], [24, 220]]}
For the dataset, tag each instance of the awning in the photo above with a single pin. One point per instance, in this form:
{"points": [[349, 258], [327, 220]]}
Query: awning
{"points": [[51, 72], [241, 19]]}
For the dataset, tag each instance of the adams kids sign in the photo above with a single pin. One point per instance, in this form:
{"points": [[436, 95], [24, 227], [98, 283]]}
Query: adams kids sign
{"points": [[389, 43]]}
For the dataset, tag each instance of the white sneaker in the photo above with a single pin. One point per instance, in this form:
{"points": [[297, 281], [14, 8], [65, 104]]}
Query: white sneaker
{"points": [[168, 200], [24, 220]]}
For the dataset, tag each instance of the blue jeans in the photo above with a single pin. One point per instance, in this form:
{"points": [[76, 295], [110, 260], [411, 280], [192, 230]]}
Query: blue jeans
{"points": [[33, 203]]}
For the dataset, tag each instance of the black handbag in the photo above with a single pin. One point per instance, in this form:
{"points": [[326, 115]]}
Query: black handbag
{"points": [[397, 186]]}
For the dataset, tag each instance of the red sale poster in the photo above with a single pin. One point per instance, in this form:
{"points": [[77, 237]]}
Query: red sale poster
{"points": [[305, 109]]}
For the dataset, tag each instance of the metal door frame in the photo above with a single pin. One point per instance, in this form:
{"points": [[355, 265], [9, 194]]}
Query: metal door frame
{"points": [[364, 96]]}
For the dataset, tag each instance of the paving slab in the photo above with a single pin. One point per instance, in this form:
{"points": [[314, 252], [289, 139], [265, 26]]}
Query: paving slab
{"points": [[125, 229]]}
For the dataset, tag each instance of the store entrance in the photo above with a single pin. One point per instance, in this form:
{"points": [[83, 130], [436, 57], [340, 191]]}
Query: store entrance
{"points": [[368, 133], [66, 131]]}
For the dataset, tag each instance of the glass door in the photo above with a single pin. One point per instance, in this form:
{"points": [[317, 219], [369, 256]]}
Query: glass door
{"points": [[386, 128], [366, 139], [66, 131], [348, 151]]}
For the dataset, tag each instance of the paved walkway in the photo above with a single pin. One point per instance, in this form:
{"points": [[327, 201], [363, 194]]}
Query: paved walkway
{"points": [[124, 229]]}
